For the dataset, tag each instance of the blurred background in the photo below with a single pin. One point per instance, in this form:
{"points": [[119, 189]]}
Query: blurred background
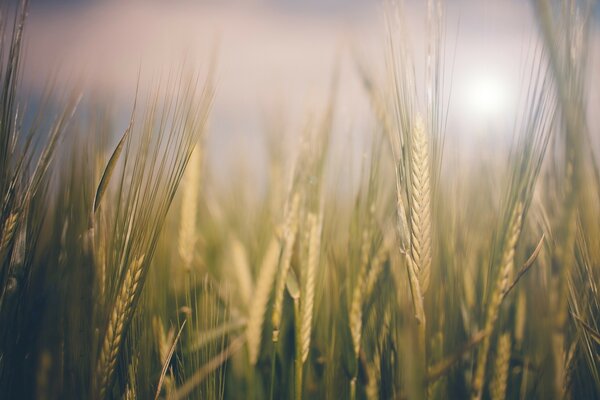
{"points": [[276, 59]]}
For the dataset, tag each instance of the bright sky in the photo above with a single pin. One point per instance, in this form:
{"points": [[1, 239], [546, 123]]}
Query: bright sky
{"points": [[279, 55]]}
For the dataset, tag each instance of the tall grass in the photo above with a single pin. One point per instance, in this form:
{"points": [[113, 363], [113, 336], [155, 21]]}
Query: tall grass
{"points": [[126, 272]]}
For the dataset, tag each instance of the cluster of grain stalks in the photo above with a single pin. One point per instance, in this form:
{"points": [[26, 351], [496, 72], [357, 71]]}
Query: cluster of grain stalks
{"points": [[479, 280]]}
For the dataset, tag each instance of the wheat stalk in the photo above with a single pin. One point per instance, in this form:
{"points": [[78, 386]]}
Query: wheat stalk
{"points": [[260, 299], [100, 260], [293, 288], [520, 319], [119, 316]]}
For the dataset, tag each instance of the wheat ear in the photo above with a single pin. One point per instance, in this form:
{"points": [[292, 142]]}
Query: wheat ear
{"points": [[377, 264], [420, 204], [119, 316], [507, 265], [290, 230], [258, 307], [241, 270], [8, 232], [498, 385], [187, 225], [308, 294]]}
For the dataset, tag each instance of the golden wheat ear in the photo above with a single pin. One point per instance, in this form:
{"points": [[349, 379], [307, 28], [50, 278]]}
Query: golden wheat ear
{"points": [[501, 285], [189, 209], [501, 368], [420, 204], [119, 317], [258, 308], [290, 231]]}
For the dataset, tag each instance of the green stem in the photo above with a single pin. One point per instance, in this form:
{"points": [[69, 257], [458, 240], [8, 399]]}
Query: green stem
{"points": [[274, 355], [298, 362]]}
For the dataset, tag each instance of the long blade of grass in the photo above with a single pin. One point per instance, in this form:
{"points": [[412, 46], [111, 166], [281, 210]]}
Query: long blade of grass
{"points": [[527, 265], [201, 374], [168, 361], [112, 162]]}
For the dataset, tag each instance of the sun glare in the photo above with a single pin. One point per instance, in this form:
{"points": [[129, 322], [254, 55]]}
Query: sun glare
{"points": [[486, 97]]}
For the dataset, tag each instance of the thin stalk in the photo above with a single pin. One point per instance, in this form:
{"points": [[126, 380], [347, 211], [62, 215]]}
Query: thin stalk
{"points": [[272, 390], [298, 362]]}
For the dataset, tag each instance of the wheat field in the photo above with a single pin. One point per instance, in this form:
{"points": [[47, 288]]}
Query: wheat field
{"points": [[127, 272]]}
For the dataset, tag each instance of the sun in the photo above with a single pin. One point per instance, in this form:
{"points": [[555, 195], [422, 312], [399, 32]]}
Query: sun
{"points": [[486, 97]]}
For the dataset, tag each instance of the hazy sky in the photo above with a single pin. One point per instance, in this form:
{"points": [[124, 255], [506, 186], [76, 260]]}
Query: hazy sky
{"points": [[279, 55]]}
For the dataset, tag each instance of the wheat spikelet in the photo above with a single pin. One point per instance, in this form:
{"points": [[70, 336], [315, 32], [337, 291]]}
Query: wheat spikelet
{"points": [[401, 224], [258, 307], [187, 225], [374, 273], [164, 342], [508, 255], [420, 205], [130, 388], [377, 263], [308, 295], [8, 232], [130, 392], [502, 283], [164, 339], [498, 385], [119, 316], [290, 230]]}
